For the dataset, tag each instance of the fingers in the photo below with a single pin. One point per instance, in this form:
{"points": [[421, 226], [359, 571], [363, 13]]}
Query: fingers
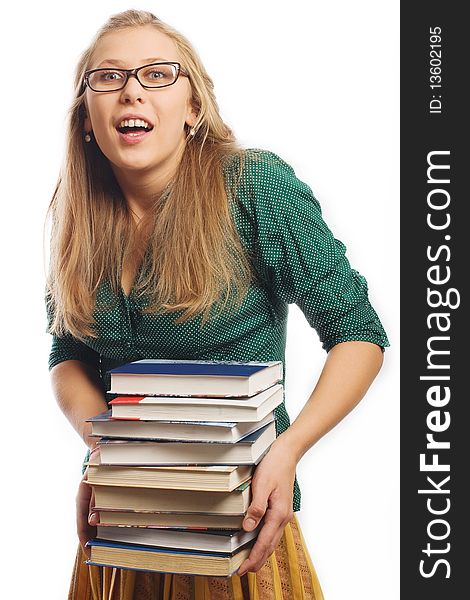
{"points": [[85, 528], [258, 504], [93, 517], [270, 503], [267, 540], [254, 514]]}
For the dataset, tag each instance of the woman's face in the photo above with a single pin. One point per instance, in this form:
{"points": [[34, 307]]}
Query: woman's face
{"points": [[166, 109]]}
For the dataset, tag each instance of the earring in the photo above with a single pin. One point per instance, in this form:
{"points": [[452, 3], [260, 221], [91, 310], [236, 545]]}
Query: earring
{"points": [[192, 133], [87, 137]]}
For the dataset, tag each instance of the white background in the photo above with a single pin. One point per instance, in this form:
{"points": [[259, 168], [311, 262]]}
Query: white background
{"points": [[337, 125]]}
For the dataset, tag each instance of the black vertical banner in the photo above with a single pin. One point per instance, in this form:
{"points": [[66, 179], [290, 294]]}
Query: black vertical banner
{"points": [[435, 267]]}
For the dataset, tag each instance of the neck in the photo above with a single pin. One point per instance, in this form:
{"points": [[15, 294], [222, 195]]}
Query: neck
{"points": [[142, 189]]}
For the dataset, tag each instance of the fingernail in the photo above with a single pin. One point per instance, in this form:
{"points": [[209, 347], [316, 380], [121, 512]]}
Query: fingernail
{"points": [[92, 518], [249, 523]]}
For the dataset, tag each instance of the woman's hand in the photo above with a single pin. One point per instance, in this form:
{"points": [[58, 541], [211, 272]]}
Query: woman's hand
{"points": [[86, 518], [272, 493]]}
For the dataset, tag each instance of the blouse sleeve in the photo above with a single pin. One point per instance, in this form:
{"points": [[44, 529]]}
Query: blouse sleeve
{"points": [[302, 262], [68, 347]]}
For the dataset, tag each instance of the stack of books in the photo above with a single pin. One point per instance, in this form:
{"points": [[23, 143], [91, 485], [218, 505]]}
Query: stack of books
{"points": [[177, 452]]}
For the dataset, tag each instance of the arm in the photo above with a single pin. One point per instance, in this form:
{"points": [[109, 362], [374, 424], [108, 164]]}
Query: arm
{"points": [[349, 370], [79, 393], [301, 262], [78, 389]]}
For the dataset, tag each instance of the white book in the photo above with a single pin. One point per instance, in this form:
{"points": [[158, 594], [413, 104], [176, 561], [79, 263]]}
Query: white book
{"points": [[137, 452], [103, 425], [158, 408], [215, 541]]}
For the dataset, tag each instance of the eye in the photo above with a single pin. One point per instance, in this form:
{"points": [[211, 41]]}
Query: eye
{"points": [[155, 74], [158, 74], [110, 75]]}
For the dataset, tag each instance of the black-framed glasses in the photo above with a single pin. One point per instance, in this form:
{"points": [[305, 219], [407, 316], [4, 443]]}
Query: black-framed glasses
{"points": [[154, 75]]}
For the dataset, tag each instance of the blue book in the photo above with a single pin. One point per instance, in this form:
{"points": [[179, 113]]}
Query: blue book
{"points": [[166, 560], [155, 377]]}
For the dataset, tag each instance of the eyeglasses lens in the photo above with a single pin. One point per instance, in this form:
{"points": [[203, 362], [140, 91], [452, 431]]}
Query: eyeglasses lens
{"points": [[153, 76]]}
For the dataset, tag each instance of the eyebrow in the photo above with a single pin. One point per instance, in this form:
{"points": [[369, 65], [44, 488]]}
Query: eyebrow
{"points": [[118, 62]]}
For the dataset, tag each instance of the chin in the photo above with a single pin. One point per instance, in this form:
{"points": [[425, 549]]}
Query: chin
{"points": [[135, 165]]}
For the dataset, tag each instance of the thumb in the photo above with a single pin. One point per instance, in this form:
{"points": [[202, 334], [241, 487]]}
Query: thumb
{"points": [[93, 519], [256, 511], [93, 516]]}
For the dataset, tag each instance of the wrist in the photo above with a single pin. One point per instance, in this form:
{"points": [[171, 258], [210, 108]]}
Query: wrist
{"points": [[285, 445], [297, 439]]}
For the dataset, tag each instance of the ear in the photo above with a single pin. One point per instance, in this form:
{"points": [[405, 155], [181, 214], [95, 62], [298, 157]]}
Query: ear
{"points": [[87, 124], [191, 115], [191, 120], [87, 127]]}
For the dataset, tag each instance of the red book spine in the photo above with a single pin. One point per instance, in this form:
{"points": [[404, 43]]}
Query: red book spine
{"points": [[127, 400]]}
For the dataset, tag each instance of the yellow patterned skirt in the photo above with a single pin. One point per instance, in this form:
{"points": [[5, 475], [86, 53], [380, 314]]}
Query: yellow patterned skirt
{"points": [[288, 574]]}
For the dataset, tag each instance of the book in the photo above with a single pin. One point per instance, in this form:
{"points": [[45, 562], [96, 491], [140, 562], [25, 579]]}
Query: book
{"points": [[159, 500], [205, 541], [194, 378], [220, 478], [165, 560], [103, 425], [171, 520], [241, 409], [139, 452]]}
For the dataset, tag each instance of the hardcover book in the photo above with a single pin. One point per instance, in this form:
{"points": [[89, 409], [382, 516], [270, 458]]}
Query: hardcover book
{"points": [[171, 520], [220, 478], [242, 409], [103, 425], [165, 560], [205, 541], [139, 452], [174, 501], [194, 378]]}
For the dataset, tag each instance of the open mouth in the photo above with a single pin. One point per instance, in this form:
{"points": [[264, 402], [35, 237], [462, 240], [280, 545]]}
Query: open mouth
{"points": [[134, 127]]}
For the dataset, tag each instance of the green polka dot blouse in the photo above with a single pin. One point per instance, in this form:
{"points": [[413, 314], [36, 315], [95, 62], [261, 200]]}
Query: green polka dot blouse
{"points": [[297, 260]]}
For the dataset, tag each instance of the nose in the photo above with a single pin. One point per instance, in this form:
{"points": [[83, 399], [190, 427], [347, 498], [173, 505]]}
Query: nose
{"points": [[132, 91]]}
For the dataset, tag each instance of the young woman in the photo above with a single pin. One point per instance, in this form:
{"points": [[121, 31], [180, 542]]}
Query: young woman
{"points": [[169, 240]]}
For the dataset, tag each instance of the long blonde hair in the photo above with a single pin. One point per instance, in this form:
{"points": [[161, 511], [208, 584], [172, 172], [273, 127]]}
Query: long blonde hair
{"points": [[194, 260]]}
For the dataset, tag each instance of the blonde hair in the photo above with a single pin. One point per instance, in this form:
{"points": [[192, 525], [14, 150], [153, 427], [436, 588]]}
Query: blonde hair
{"points": [[194, 259]]}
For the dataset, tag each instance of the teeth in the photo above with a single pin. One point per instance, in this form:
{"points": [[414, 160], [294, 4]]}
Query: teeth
{"points": [[134, 123]]}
